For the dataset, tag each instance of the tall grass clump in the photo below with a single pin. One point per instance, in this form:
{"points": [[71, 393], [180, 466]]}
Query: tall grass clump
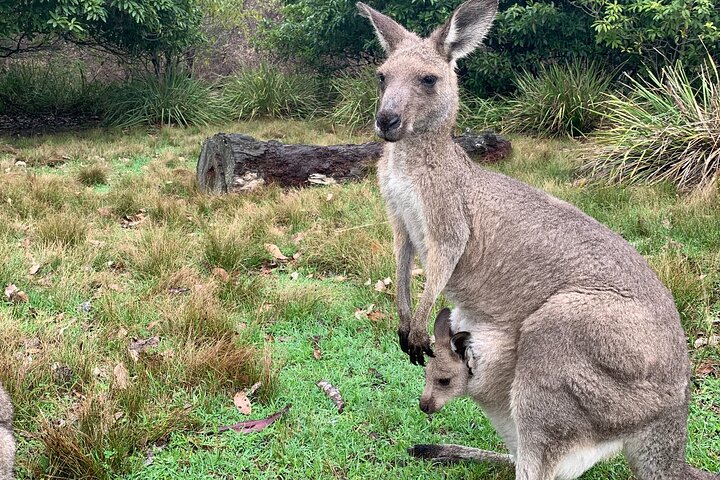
{"points": [[269, 92], [35, 88], [481, 113], [172, 99], [667, 128], [357, 97], [562, 100]]}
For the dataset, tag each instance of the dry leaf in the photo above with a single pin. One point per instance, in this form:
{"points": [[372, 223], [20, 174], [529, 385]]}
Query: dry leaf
{"points": [[375, 315], [333, 393], [707, 367], [152, 324], [368, 282], [416, 272], [380, 286], [329, 197], [34, 269], [14, 294], [297, 255], [339, 278], [249, 426], [221, 274], [242, 402], [122, 376], [104, 212], [122, 333], [298, 237], [137, 346], [274, 250], [317, 354], [294, 276], [96, 243]]}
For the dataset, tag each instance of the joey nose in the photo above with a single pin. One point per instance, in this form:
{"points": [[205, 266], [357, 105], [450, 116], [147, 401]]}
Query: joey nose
{"points": [[424, 405], [386, 122]]}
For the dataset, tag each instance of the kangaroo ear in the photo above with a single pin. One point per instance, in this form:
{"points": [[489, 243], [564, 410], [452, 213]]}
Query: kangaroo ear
{"points": [[459, 343], [466, 29], [442, 326], [388, 31]]}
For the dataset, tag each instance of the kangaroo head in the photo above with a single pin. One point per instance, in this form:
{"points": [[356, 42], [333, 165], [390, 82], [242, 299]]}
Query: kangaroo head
{"points": [[418, 85], [447, 374]]}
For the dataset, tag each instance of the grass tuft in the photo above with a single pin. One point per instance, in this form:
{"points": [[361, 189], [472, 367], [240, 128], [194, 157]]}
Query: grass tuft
{"points": [[562, 100], [357, 97], [667, 128], [92, 175], [269, 92]]}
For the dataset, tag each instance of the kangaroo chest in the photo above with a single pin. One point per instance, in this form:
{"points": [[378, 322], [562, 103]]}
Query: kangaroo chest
{"points": [[404, 204]]}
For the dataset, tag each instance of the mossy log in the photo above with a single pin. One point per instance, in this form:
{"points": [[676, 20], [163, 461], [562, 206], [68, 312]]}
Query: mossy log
{"points": [[232, 163]]}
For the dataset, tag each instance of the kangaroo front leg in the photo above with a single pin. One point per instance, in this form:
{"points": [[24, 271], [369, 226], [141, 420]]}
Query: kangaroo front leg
{"points": [[404, 254], [439, 266]]}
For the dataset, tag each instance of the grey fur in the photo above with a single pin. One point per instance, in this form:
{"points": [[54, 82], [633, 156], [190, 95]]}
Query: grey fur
{"points": [[575, 345], [7, 442]]}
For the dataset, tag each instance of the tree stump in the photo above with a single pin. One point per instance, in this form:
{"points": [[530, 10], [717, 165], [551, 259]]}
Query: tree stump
{"points": [[232, 163]]}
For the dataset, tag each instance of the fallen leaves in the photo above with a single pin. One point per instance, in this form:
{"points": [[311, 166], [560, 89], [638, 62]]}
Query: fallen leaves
{"points": [[34, 269], [274, 250], [132, 221], [221, 274], [332, 393], [708, 367], [242, 399], [122, 376], [14, 294], [138, 346], [249, 426]]}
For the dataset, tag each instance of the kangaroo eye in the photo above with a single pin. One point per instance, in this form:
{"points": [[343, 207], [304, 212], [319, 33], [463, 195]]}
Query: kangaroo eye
{"points": [[428, 80], [444, 382]]}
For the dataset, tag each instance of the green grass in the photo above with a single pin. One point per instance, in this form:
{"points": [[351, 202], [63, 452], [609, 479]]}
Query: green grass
{"points": [[221, 330]]}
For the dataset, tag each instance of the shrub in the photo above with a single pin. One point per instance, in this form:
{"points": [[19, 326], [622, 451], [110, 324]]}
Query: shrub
{"points": [[173, 98], [269, 92], [560, 100], [36, 88], [357, 97], [92, 175], [667, 128]]}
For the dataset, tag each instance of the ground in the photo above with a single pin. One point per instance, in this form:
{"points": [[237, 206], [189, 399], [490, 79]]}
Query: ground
{"points": [[107, 243]]}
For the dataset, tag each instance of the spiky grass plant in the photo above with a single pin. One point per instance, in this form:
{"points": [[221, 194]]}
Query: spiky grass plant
{"points": [[481, 113], [172, 99], [357, 98], [667, 128], [562, 100], [267, 91]]}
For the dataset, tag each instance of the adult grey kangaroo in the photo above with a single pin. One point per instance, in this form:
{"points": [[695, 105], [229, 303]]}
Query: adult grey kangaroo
{"points": [[580, 343]]}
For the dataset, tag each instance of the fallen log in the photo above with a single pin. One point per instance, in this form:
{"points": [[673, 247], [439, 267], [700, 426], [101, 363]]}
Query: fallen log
{"points": [[232, 163]]}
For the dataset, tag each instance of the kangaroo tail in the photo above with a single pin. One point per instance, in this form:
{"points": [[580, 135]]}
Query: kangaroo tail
{"points": [[448, 453]]}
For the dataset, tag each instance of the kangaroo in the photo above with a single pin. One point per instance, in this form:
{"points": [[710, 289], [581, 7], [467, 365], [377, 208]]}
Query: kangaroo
{"points": [[580, 346], [7, 443]]}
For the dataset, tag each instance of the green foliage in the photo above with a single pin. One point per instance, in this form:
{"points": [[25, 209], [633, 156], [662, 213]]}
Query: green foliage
{"points": [[560, 100], [37, 88], [173, 98], [671, 29], [357, 97], [666, 129], [269, 92], [525, 35], [156, 30], [477, 113]]}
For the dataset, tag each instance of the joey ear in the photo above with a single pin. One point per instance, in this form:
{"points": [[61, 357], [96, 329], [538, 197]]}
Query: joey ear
{"points": [[466, 29], [388, 31], [442, 326], [459, 343]]}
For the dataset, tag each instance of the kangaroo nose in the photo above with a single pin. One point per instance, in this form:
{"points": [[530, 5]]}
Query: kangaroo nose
{"points": [[387, 121], [424, 405]]}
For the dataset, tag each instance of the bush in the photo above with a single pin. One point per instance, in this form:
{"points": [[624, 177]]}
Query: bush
{"points": [[667, 128], [269, 92], [174, 98], [560, 100], [35, 88], [357, 97]]}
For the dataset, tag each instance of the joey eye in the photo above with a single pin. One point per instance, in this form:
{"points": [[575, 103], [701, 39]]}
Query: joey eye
{"points": [[428, 80], [444, 382]]}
